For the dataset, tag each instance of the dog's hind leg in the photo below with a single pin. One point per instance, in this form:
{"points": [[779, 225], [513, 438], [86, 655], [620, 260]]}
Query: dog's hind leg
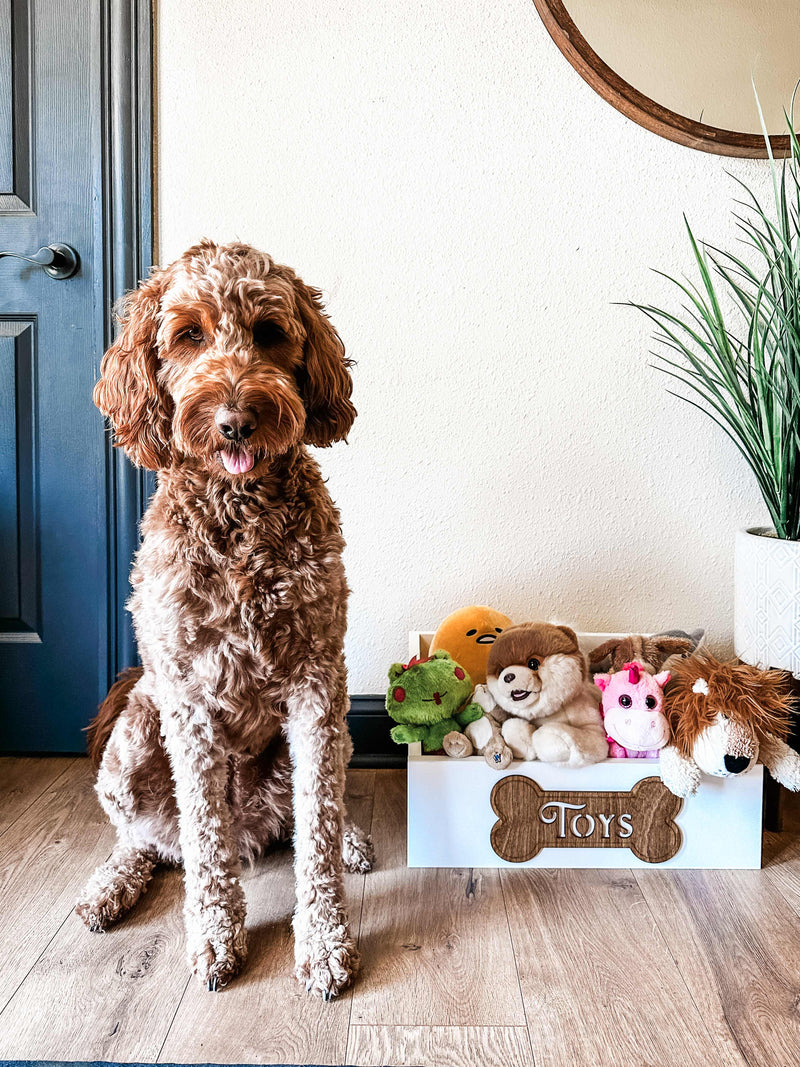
{"points": [[134, 787], [115, 886]]}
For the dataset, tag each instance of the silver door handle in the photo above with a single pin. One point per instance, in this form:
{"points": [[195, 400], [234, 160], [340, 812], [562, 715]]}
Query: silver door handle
{"points": [[57, 260]]}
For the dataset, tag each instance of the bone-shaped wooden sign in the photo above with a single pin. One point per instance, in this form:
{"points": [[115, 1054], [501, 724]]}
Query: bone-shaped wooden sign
{"points": [[531, 818]]}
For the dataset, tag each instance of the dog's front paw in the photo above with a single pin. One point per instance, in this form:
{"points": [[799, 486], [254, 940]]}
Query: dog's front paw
{"points": [[518, 735], [326, 964], [218, 950], [551, 745]]}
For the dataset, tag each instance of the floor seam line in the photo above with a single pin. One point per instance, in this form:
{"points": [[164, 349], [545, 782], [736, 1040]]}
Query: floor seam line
{"points": [[679, 969], [516, 965], [45, 947], [38, 796], [172, 1020], [360, 918]]}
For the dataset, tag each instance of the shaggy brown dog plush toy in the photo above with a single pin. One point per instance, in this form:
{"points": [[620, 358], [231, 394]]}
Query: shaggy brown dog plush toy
{"points": [[649, 652], [724, 716]]}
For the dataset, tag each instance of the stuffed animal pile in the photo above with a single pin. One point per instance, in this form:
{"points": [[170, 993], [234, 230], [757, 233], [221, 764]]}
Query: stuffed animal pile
{"points": [[525, 692]]}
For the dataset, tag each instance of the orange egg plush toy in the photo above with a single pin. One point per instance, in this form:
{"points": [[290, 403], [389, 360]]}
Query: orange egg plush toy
{"points": [[468, 635]]}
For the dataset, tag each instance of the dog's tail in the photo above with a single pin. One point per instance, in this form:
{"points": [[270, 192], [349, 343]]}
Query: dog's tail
{"points": [[99, 729]]}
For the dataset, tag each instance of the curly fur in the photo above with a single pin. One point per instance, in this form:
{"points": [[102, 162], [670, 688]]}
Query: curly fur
{"points": [[720, 712], [233, 734], [749, 697]]}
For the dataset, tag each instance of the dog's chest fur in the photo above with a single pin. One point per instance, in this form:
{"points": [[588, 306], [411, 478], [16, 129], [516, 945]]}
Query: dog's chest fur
{"points": [[233, 582]]}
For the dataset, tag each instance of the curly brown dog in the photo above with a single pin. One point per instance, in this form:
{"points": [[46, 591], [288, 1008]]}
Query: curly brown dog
{"points": [[232, 735]]}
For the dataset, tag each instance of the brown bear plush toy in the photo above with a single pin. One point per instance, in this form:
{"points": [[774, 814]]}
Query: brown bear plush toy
{"points": [[538, 701]]}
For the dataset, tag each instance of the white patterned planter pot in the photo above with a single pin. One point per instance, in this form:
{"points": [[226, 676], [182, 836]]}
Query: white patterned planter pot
{"points": [[767, 600]]}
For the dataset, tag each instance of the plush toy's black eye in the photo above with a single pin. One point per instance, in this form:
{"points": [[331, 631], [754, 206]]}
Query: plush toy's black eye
{"points": [[267, 333], [471, 633], [650, 702], [625, 701], [497, 630], [533, 664]]}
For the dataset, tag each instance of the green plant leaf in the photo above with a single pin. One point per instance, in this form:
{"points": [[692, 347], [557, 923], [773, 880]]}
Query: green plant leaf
{"points": [[734, 344]]}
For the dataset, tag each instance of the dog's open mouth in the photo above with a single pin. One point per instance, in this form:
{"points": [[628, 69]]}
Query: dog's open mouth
{"points": [[520, 694], [236, 459]]}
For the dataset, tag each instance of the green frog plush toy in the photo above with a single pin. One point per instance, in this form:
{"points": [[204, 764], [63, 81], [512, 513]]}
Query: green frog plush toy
{"points": [[430, 699]]}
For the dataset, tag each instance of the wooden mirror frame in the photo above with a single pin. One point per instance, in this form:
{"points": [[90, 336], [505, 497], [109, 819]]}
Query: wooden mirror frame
{"points": [[640, 108]]}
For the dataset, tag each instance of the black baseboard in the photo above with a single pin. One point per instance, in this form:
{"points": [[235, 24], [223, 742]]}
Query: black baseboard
{"points": [[369, 728]]}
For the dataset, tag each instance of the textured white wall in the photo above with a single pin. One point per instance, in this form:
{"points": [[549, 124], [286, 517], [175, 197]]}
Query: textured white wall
{"points": [[472, 209]]}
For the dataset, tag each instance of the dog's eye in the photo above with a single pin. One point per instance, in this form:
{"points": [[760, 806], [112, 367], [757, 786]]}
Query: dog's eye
{"points": [[533, 665], [194, 334], [268, 333], [649, 702], [625, 701]]}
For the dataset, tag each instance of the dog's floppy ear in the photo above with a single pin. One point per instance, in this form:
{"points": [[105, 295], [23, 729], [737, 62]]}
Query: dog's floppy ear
{"points": [[672, 646], [128, 393], [324, 380], [608, 648]]}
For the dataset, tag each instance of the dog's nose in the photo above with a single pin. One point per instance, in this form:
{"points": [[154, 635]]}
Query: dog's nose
{"points": [[234, 424], [736, 764], [509, 678]]}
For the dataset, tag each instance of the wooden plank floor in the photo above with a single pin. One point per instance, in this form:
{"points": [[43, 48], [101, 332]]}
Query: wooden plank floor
{"points": [[515, 968]]}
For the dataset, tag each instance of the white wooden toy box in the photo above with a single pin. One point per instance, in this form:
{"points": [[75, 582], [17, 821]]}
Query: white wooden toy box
{"points": [[452, 821]]}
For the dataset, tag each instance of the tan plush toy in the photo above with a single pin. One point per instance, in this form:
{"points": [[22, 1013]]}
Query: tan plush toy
{"points": [[539, 703], [468, 635]]}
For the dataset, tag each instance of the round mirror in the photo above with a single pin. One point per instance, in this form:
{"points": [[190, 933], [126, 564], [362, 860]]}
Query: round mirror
{"points": [[685, 69]]}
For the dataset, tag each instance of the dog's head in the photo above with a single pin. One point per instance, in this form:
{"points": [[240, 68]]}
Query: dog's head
{"points": [[721, 712], [227, 358], [651, 653], [534, 668]]}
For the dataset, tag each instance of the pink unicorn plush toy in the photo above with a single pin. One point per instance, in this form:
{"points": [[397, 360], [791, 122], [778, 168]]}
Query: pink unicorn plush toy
{"points": [[636, 726]]}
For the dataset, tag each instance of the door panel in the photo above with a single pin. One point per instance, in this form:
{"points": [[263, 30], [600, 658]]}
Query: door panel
{"points": [[19, 578], [16, 179], [53, 516]]}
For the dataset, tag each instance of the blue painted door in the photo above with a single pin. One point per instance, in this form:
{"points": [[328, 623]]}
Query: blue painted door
{"points": [[54, 585]]}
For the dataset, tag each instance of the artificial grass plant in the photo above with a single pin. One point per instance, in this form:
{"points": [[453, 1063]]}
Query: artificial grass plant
{"points": [[736, 342]]}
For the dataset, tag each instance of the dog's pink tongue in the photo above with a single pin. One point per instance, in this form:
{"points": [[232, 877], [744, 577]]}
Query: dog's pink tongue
{"points": [[236, 462]]}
